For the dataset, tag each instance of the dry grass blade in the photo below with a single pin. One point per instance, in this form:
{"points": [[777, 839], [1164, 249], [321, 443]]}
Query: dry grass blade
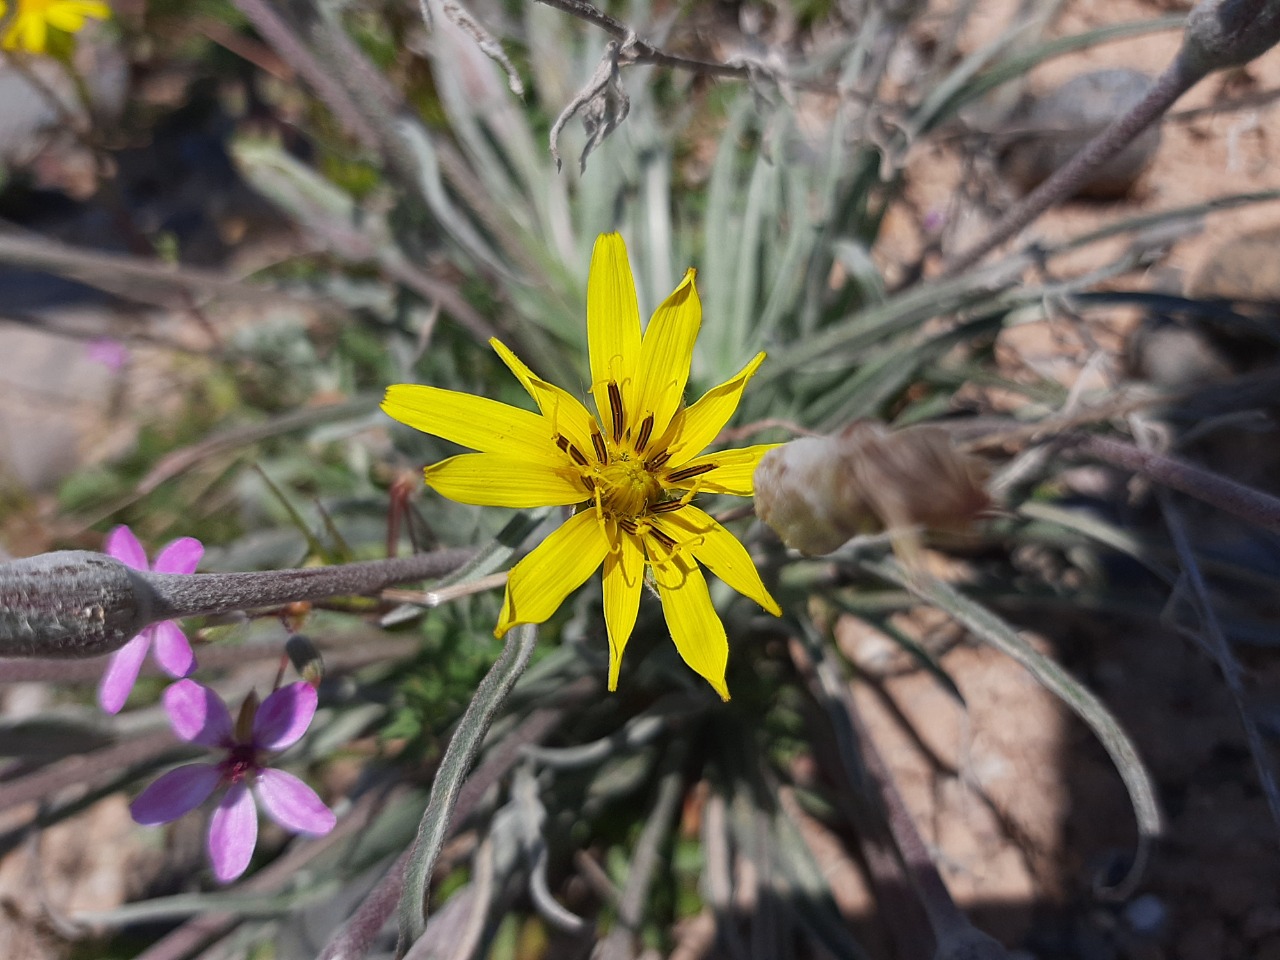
{"points": [[644, 52], [618, 945], [1216, 643], [484, 40], [179, 461]]}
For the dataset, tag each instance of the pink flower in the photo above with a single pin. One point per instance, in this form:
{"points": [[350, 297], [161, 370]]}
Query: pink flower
{"points": [[172, 650], [109, 352], [198, 715]]}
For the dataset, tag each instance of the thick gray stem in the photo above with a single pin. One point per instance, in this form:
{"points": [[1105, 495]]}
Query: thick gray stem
{"points": [[1252, 506], [75, 604], [70, 604]]}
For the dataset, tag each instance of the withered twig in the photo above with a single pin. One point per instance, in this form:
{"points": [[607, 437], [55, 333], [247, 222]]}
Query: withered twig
{"points": [[641, 51]]}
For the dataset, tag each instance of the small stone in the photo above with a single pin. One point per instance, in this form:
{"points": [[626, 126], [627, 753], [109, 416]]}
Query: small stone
{"points": [[1146, 915], [1168, 354], [1060, 124]]}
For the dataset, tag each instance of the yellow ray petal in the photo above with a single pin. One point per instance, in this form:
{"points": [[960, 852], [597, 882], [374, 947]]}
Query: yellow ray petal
{"points": [[731, 474], [564, 413], [499, 480], [665, 357], [623, 580], [476, 422], [698, 425], [70, 16], [719, 551], [539, 583], [613, 321], [696, 629], [28, 32]]}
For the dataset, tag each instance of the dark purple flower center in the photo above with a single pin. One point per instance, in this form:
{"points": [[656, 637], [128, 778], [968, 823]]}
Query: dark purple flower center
{"points": [[241, 763]]}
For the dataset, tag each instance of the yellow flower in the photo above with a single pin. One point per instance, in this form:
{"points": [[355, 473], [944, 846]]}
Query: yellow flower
{"points": [[29, 28], [633, 470]]}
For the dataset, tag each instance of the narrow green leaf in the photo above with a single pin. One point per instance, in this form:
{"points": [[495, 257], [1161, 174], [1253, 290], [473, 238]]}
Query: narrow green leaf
{"points": [[984, 624], [463, 747]]}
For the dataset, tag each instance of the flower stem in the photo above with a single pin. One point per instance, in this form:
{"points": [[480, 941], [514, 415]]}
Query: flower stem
{"points": [[73, 603], [355, 938], [1250, 505], [458, 757]]}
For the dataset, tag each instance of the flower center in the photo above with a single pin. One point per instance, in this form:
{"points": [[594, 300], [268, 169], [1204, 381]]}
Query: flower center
{"points": [[627, 488], [241, 763]]}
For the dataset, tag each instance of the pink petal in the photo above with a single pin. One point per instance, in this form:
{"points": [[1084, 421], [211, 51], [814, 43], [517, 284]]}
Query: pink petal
{"points": [[197, 714], [172, 651], [292, 804], [109, 352], [175, 793], [181, 556], [284, 716], [124, 546], [122, 671], [233, 833]]}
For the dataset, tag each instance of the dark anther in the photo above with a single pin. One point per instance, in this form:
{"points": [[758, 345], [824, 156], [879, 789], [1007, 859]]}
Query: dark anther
{"points": [[657, 460], [667, 506], [628, 525], [662, 538], [615, 410], [688, 473], [646, 428], [575, 454], [597, 441]]}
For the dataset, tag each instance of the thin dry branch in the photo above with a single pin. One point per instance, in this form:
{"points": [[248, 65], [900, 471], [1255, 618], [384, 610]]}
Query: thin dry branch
{"points": [[643, 52], [468, 24]]}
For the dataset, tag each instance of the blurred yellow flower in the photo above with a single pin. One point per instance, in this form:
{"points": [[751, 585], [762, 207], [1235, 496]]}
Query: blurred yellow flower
{"points": [[29, 27], [633, 470]]}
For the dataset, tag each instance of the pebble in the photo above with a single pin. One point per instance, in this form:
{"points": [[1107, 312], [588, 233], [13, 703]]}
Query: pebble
{"points": [[1063, 121], [1146, 915]]}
